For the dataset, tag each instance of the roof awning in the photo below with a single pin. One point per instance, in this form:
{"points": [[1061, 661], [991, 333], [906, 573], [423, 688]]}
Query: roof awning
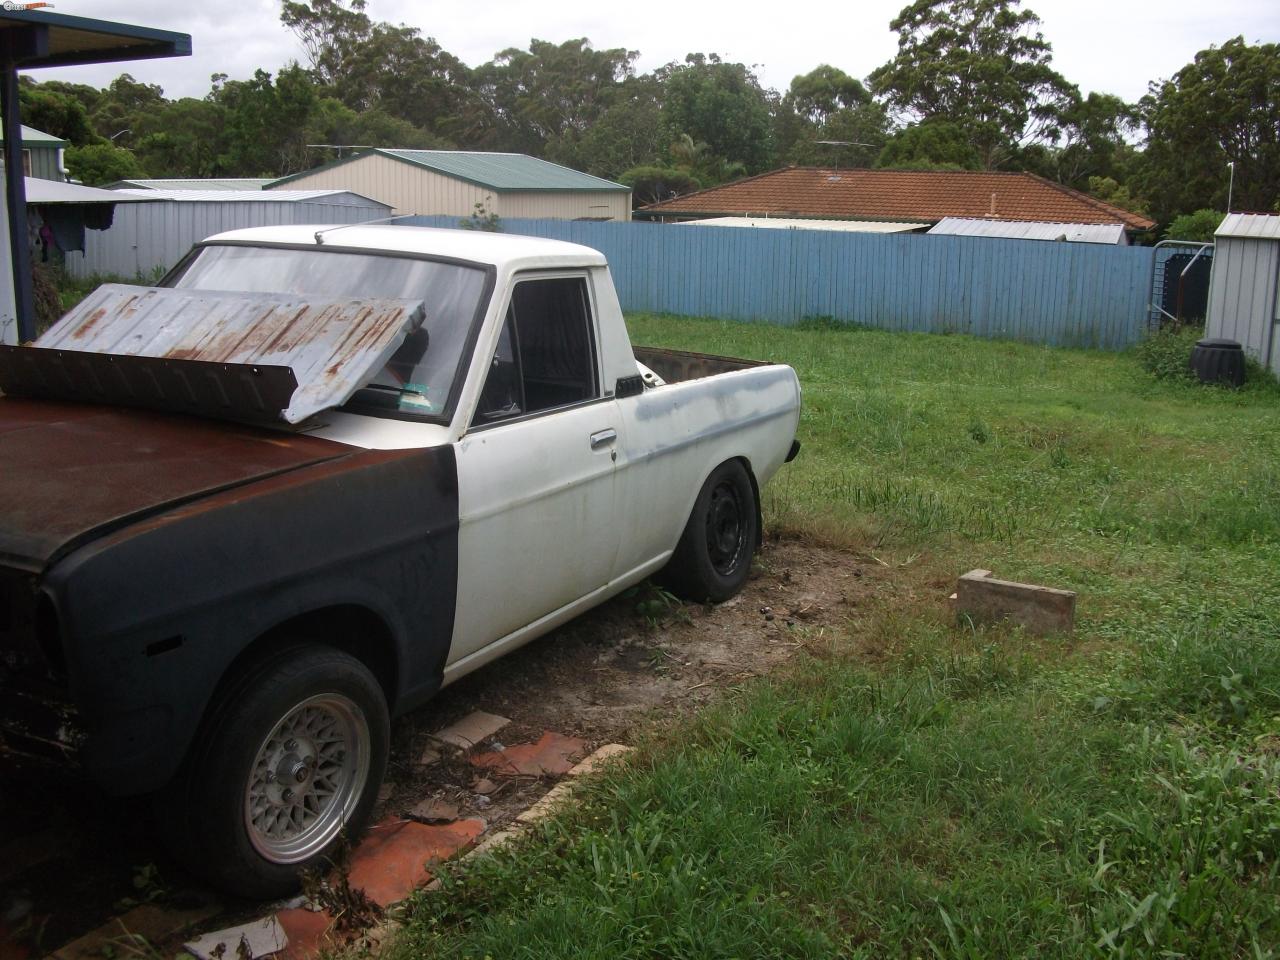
{"points": [[35, 38]]}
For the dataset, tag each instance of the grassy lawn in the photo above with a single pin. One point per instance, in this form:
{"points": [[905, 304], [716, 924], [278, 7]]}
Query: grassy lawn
{"points": [[922, 788]]}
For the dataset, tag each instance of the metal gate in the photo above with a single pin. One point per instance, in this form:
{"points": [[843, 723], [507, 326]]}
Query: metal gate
{"points": [[1180, 283]]}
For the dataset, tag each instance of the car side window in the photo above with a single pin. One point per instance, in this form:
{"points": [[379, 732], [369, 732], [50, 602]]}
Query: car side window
{"points": [[546, 356]]}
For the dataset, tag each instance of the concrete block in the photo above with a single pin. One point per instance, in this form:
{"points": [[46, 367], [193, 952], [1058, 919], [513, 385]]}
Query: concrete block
{"points": [[1040, 610], [259, 938], [609, 753], [471, 729], [148, 924]]}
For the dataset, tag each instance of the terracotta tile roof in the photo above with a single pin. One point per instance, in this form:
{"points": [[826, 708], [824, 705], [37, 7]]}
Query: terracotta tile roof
{"points": [[899, 195]]}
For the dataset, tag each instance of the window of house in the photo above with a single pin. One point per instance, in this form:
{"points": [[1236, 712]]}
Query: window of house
{"points": [[546, 354]]}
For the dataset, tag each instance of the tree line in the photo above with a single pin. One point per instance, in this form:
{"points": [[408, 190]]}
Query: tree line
{"points": [[971, 87]]}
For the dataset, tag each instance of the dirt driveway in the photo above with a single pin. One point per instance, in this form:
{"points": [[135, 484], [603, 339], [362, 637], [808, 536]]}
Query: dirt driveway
{"points": [[70, 859]]}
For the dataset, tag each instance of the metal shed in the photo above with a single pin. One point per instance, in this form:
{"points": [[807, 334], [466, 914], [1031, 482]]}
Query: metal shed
{"points": [[1244, 289], [452, 182], [148, 238]]}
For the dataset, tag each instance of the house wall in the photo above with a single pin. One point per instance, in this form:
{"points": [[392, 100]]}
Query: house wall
{"points": [[44, 163], [575, 205], [154, 235], [412, 190], [1244, 299]]}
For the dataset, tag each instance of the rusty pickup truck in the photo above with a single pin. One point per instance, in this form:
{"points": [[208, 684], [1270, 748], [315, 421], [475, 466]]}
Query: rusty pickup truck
{"points": [[317, 473]]}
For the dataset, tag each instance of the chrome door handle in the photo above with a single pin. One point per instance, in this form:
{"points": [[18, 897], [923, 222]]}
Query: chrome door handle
{"points": [[602, 438]]}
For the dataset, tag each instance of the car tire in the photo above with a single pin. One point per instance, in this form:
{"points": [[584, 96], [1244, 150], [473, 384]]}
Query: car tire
{"points": [[285, 769], [713, 558]]}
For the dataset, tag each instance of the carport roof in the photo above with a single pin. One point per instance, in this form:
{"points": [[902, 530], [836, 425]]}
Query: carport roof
{"points": [[34, 38]]}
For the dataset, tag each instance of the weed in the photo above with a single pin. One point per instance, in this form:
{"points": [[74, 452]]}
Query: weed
{"points": [[1166, 354], [656, 604]]}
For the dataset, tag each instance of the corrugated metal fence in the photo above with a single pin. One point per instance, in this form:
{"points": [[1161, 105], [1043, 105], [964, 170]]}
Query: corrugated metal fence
{"points": [[151, 236], [1069, 294]]}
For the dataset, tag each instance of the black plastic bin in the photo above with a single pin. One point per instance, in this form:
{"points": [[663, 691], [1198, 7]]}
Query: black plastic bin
{"points": [[1215, 360]]}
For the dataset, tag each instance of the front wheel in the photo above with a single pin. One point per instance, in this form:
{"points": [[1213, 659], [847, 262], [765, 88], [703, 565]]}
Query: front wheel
{"points": [[713, 557], [289, 762]]}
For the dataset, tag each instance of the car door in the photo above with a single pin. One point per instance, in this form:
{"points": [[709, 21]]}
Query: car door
{"points": [[536, 469]]}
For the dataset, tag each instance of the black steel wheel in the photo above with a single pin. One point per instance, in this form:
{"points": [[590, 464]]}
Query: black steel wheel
{"points": [[713, 557], [289, 763]]}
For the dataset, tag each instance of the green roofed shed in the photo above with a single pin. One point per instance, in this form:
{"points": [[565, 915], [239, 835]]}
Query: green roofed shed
{"points": [[452, 182]]}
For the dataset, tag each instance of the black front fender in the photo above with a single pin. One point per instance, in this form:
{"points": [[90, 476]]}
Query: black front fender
{"points": [[153, 616]]}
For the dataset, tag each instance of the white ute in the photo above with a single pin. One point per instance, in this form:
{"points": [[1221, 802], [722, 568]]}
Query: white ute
{"points": [[442, 445]]}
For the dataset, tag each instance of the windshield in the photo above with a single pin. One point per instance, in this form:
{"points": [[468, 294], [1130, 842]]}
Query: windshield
{"points": [[420, 376]]}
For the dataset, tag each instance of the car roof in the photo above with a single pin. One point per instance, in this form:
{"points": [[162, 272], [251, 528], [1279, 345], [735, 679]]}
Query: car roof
{"points": [[497, 249]]}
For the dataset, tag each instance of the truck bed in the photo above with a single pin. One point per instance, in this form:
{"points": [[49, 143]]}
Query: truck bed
{"points": [[676, 366]]}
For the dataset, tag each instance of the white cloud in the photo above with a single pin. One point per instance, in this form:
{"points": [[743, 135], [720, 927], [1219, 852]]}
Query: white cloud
{"points": [[1106, 45]]}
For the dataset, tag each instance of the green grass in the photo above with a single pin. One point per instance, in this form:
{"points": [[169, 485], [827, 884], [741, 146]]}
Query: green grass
{"points": [[922, 788]]}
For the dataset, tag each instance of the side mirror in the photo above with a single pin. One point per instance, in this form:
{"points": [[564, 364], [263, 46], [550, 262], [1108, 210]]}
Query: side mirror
{"points": [[628, 387]]}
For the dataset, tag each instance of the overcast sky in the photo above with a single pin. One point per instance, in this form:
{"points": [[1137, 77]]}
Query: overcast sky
{"points": [[1113, 46]]}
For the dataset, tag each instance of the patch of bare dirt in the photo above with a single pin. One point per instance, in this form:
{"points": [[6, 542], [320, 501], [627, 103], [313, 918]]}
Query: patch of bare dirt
{"points": [[614, 670], [601, 678]]}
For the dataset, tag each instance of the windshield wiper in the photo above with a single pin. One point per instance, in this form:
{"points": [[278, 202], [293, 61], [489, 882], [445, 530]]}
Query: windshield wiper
{"points": [[399, 391]]}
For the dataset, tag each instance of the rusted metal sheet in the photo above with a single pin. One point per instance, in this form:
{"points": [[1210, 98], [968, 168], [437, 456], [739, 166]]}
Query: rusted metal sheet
{"points": [[235, 391], [73, 471], [332, 346]]}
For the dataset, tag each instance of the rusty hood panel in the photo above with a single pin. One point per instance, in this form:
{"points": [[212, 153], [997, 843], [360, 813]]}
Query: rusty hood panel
{"points": [[73, 472], [214, 353]]}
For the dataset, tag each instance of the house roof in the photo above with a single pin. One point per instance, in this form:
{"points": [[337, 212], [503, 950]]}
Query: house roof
{"points": [[925, 195], [1111, 233], [500, 172], [31, 137], [1256, 226], [206, 183]]}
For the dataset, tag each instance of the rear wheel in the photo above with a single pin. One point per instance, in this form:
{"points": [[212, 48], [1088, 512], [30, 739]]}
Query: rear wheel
{"points": [[713, 557], [289, 763]]}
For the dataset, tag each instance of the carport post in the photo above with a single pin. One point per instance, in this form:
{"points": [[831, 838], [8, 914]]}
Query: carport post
{"points": [[16, 46]]}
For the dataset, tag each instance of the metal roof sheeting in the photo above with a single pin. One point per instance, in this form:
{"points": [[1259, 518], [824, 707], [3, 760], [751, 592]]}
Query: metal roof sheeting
{"points": [[247, 196], [1256, 226], [208, 183], [332, 346], [784, 223], [55, 191], [1112, 233]]}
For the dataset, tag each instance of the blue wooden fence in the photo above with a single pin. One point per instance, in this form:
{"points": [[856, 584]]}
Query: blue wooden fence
{"points": [[1068, 294]]}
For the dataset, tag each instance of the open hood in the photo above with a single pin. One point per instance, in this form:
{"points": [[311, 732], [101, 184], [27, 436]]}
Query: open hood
{"points": [[239, 356]]}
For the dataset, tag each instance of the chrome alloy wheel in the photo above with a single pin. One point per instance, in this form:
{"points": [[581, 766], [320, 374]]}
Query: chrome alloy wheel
{"points": [[307, 778]]}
